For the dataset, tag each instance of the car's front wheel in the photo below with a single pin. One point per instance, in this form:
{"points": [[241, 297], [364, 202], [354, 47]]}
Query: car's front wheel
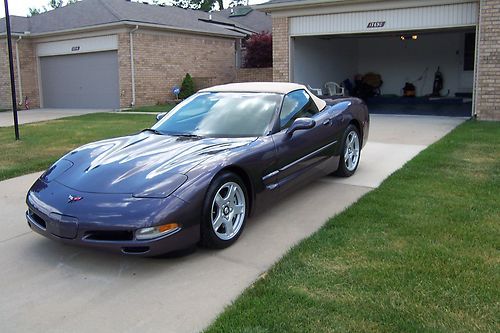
{"points": [[350, 153], [224, 212]]}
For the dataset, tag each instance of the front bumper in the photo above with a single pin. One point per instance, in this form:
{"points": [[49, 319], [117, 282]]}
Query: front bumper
{"points": [[109, 222]]}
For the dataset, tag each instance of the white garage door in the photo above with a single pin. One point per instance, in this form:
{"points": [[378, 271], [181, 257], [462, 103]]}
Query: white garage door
{"points": [[86, 80]]}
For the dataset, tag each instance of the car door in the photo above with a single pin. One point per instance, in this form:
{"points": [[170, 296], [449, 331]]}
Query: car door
{"points": [[299, 153]]}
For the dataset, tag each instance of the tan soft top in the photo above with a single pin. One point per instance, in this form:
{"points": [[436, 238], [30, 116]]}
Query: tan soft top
{"points": [[266, 87]]}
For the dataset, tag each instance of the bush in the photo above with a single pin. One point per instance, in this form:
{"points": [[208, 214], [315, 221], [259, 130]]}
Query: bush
{"points": [[259, 50], [187, 87]]}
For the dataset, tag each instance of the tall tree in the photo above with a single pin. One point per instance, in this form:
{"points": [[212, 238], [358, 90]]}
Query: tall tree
{"points": [[205, 5], [52, 4]]}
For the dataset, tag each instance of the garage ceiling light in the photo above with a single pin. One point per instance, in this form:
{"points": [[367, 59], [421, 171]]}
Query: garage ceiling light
{"points": [[408, 37]]}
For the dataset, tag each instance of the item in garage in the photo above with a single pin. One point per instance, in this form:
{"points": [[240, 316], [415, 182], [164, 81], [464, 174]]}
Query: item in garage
{"points": [[409, 90], [438, 84], [368, 85]]}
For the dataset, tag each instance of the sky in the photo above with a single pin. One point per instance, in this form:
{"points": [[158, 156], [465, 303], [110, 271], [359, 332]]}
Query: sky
{"points": [[20, 7]]}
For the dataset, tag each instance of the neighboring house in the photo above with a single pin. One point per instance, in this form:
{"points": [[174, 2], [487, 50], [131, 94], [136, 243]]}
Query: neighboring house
{"points": [[116, 53], [315, 41], [255, 20]]}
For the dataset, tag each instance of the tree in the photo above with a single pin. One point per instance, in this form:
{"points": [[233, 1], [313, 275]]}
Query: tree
{"points": [[205, 5], [235, 3], [259, 50], [52, 4], [187, 87]]}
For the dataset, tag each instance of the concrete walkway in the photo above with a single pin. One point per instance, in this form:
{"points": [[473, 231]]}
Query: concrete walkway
{"points": [[51, 287], [35, 115]]}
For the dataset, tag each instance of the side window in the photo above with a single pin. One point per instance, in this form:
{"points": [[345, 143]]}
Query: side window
{"points": [[297, 104]]}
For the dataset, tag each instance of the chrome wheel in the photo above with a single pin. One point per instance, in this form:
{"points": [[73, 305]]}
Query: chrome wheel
{"points": [[228, 210], [351, 154]]}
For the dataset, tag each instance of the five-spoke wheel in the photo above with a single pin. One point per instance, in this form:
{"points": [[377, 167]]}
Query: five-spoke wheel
{"points": [[351, 150], [228, 210], [225, 211]]}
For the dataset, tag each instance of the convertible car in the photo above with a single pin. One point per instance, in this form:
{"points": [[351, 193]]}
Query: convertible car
{"points": [[200, 171]]}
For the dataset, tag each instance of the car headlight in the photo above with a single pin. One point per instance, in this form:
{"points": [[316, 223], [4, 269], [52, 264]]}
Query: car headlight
{"points": [[56, 170], [154, 232], [162, 189]]}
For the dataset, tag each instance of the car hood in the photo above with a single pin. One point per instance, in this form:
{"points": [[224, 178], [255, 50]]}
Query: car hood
{"points": [[132, 163]]}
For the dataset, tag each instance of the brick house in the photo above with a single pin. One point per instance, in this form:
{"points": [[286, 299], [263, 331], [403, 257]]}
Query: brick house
{"points": [[116, 53], [405, 41]]}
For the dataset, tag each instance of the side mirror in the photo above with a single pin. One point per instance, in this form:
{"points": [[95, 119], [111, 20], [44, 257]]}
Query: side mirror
{"points": [[300, 124], [160, 116]]}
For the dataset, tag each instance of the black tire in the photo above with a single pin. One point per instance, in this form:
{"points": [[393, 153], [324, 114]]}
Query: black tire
{"points": [[209, 237], [345, 169]]}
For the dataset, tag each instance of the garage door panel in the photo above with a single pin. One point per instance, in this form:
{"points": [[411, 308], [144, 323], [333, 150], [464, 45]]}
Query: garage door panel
{"points": [[400, 19], [80, 81]]}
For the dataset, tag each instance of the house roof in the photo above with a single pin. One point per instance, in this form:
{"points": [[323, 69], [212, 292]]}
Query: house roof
{"points": [[245, 15], [91, 13]]}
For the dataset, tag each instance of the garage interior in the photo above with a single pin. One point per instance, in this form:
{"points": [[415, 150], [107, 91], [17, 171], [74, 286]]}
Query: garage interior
{"points": [[406, 61]]}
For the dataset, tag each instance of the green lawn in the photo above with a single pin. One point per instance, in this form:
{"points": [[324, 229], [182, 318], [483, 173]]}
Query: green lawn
{"points": [[152, 108], [43, 143], [418, 254]]}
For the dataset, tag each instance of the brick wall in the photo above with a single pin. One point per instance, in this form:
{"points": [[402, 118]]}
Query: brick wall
{"points": [[280, 49], [488, 70], [254, 75], [29, 77], [163, 59]]}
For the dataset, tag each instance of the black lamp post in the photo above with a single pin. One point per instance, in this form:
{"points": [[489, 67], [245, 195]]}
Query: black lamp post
{"points": [[11, 67]]}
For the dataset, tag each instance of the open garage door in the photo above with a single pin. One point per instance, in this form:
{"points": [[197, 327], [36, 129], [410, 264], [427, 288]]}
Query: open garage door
{"points": [[406, 63], [399, 47], [87, 80]]}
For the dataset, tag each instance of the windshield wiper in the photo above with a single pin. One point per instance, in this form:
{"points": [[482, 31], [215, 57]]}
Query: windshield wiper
{"points": [[186, 135], [155, 131]]}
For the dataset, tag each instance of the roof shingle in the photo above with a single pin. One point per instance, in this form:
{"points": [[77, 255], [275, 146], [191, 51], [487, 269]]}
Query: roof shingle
{"points": [[88, 13]]}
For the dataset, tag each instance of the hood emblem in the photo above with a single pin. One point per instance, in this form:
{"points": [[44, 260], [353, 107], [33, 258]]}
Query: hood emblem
{"points": [[73, 199]]}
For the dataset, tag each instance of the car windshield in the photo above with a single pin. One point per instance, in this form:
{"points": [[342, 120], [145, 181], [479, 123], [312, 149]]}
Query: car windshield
{"points": [[221, 115]]}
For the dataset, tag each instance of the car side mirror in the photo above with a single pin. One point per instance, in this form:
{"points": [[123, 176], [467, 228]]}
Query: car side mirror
{"points": [[160, 116], [301, 124]]}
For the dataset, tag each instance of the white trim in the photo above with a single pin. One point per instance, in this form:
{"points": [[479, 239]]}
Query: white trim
{"points": [[19, 79], [77, 46], [129, 23], [303, 8], [132, 63], [396, 19], [39, 79]]}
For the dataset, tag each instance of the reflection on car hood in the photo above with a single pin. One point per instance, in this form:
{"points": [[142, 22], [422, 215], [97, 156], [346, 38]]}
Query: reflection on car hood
{"points": [[128, 164]]}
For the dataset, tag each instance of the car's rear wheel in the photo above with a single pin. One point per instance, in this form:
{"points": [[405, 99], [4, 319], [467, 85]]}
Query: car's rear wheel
{"points": [[350, 153], [224, 212]]}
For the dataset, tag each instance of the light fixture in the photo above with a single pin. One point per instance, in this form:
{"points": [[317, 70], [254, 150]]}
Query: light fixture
{"points": [[408, 37]]}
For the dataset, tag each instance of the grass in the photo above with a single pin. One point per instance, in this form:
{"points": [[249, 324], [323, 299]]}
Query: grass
{"points": [[418, 254], [153, 108], [43, 143]]}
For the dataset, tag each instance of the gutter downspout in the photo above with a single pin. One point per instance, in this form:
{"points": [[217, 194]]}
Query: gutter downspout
{"points": [[132, 66], [18, 65]]}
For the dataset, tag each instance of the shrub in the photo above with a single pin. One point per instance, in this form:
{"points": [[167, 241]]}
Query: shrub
{"points": [[259, 50], [187, 87]]}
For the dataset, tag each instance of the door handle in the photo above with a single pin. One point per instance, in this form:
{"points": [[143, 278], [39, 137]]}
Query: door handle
{"points": [[326, 122]]}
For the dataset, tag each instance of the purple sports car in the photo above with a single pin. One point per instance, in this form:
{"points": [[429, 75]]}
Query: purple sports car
{"points": [[200, 171]]}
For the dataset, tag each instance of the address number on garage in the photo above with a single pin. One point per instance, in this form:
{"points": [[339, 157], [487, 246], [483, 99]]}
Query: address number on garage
{"points": [[379, 24]]}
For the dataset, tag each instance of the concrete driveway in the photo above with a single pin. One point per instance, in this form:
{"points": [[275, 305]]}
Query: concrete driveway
{"points": [[35, 115], [48, 286]]}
